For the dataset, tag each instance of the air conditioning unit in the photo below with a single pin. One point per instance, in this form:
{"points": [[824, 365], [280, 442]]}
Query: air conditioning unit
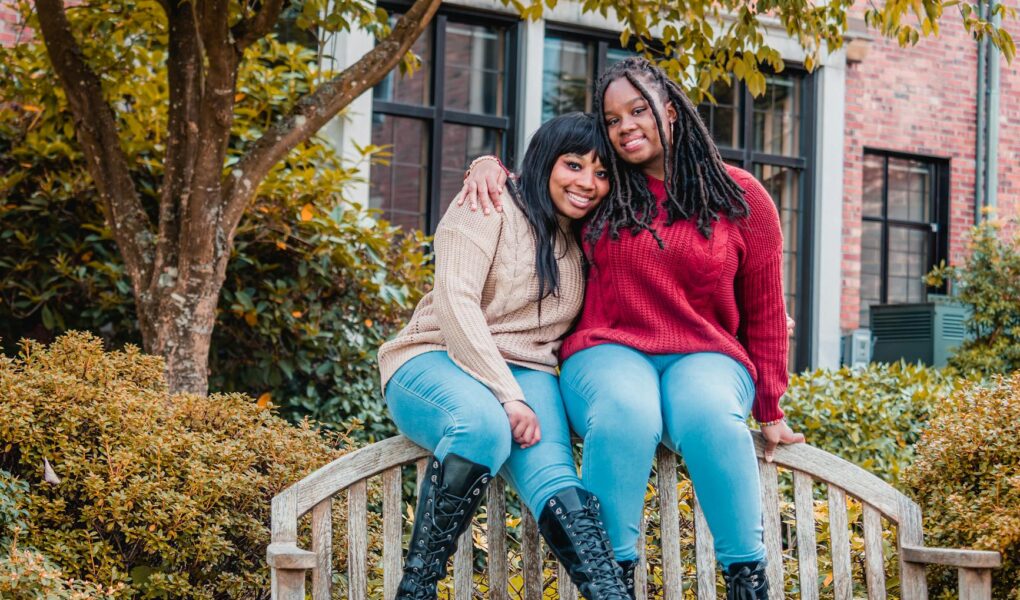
{"points": [[925, 333], [856, 349]]}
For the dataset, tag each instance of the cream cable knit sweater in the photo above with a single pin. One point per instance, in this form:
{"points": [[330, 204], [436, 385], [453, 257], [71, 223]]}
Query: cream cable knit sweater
{"points": [[482, 309]]}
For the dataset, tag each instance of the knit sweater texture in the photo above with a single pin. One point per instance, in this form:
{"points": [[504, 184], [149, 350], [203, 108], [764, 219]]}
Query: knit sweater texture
{"points": [[482, 309], [723, 294]]}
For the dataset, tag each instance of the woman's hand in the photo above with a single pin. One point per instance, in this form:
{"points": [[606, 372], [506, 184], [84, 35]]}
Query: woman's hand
{"points": [[484, 185], [523, 423], [779, 433]]}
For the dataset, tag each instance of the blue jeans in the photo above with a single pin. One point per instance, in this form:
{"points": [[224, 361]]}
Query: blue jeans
{"points": [[621, 400], [442, 408]]}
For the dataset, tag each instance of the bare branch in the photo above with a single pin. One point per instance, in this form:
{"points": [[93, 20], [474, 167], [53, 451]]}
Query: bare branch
{"points": [[249, 30], [96, 129], [317, 108]]}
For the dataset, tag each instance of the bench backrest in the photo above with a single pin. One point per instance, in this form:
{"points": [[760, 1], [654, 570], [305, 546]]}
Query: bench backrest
{"points": [[380, 465]]}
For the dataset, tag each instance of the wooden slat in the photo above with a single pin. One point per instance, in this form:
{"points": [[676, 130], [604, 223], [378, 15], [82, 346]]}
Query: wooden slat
{"points": [[499, 579], [641, 571], [361, 464], [909, 533], [322, 546], [564, 586], [531, 556], [357, 540], [284, 516], [421, 466], [669, 519], [975, 584], [874, 561], [463, 565], [773, 525], [952, 557], [393, 529], [704, 554], [839, 536], [807, 548]]}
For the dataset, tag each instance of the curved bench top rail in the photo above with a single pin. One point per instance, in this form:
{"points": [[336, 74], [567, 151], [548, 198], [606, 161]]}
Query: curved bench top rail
{"points": [[829, 468], [822, 466], [363, 463]]}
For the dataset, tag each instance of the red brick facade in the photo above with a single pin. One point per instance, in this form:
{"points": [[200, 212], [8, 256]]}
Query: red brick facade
{"points": [[923, 101], [10, 25]]}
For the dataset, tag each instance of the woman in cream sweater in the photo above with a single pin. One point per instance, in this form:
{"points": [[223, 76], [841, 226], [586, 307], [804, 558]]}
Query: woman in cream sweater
{"points": [[472, 376]]}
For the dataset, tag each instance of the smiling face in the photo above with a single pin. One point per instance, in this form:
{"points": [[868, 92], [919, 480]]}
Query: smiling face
{"points": [[577, 184], [631, 126]]}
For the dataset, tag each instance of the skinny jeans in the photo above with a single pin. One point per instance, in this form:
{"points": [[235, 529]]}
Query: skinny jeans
{"points": [[622, 401], [442, 408]]}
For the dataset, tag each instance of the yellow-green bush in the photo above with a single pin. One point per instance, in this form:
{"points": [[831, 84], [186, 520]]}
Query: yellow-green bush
{"points": [[166, 496], [873, 416], [966, 477]]}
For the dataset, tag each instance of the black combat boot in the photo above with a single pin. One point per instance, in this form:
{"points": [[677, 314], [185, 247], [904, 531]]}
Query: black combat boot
{"points": [[628, 567], [571, 525], [449, 496], [746, 581]]}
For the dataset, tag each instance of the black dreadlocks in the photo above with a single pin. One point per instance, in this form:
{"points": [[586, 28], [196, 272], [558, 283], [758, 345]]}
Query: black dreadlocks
{"points": [[697, 183]]}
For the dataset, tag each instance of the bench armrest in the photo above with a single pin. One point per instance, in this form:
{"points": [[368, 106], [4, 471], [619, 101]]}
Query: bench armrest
{"points": [[952, 557], [289, 556]]}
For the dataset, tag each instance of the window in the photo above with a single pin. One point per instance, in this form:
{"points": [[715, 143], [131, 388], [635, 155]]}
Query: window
{"points": [[903, 225], [456, 106], [771, 137], [572, 63]]}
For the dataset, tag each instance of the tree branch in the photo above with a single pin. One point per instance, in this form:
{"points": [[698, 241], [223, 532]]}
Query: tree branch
{"points": [[248, 31], [96, 128], [318, 107]]}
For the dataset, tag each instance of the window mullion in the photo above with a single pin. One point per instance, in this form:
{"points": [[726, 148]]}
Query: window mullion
{"points": [[436, 128]]}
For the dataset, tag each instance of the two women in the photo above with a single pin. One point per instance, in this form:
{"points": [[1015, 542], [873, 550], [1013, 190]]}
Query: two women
{"points": [[683, 331], [473, 375]]}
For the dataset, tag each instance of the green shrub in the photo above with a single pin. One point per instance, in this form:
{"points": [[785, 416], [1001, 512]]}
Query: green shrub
{"points": [[872, 417], [166, 496], [989, 283], [315, 283], [966, 477], [28, 575]]}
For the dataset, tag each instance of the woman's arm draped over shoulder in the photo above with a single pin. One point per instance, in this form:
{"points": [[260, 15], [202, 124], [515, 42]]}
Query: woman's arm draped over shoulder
{"points": [[465, 245], [759, 295]]}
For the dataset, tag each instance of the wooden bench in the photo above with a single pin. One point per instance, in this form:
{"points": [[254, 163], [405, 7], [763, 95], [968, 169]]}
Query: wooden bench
{"points": [[354, 473]]}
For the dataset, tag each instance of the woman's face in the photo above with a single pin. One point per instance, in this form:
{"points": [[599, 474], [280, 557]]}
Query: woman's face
{"points": [[577, 184], [631, 126]]}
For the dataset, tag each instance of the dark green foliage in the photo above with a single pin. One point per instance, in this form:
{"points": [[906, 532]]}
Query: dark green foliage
{"points": [[872, 417], [989, 283], [967, 479], [315, 283]]}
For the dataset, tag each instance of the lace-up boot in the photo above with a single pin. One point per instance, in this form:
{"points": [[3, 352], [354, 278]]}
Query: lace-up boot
{"points": [[571, 525], [746, 581], [449, 496], [628, 567]]}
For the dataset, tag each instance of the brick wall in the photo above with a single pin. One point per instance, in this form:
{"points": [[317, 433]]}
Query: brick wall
{"points": [[923, 100], [9, 24]]}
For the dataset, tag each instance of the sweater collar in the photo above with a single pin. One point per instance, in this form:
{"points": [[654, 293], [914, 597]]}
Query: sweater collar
{"points": [[657, 187]]}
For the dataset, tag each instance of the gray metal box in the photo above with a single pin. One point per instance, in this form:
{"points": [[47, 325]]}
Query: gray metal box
{"points": [[917, 332]]}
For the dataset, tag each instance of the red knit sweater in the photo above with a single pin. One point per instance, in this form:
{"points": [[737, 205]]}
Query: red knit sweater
{"points": [[723, 294]]}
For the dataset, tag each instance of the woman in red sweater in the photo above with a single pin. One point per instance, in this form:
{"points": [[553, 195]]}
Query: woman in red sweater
{"points": [[683, 332]]}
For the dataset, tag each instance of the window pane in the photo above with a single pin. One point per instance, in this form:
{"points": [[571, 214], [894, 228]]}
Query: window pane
{"points": [[461, 144], [871, 268], [909, 190], [567, 78], [783, 184], [474, 69], [908, 262], [414, 88], [874, 173], [777, 117], [615, 55], [723, 117], [399, 187]]}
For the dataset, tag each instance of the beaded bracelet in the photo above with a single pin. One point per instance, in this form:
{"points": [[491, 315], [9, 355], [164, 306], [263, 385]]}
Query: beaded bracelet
{"points": [[770, 423], [482, 158]]}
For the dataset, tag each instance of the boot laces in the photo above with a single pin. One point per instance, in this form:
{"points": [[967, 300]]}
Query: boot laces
{"points": [[593, 548], [742, 585]]}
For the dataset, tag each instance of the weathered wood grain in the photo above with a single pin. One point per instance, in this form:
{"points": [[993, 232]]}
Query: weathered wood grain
{"points": [[357, 540], [772, 523], [807, 548], [499, 576], [322, 547], [704, 554], [393, 530], [874, 559], [669, 523], [839, 537]]}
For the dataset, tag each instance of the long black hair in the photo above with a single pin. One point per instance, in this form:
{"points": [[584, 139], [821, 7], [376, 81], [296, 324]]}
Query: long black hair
{"points": [[572, 133], [697, 183]]}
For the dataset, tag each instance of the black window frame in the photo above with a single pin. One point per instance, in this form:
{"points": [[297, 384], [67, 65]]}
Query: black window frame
{"points": [[747, 157], [438, 115], [938, 242]]}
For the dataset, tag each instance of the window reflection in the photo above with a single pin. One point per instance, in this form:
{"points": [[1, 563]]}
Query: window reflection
{"points": [[399, 187], [783, 184], [413, 88], [567, 80], [777, 117], [461, 144], [474, 72], [723, 117]]}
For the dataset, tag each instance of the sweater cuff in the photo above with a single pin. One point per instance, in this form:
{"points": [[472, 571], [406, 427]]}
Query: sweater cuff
{"points": [[766, 409]]}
